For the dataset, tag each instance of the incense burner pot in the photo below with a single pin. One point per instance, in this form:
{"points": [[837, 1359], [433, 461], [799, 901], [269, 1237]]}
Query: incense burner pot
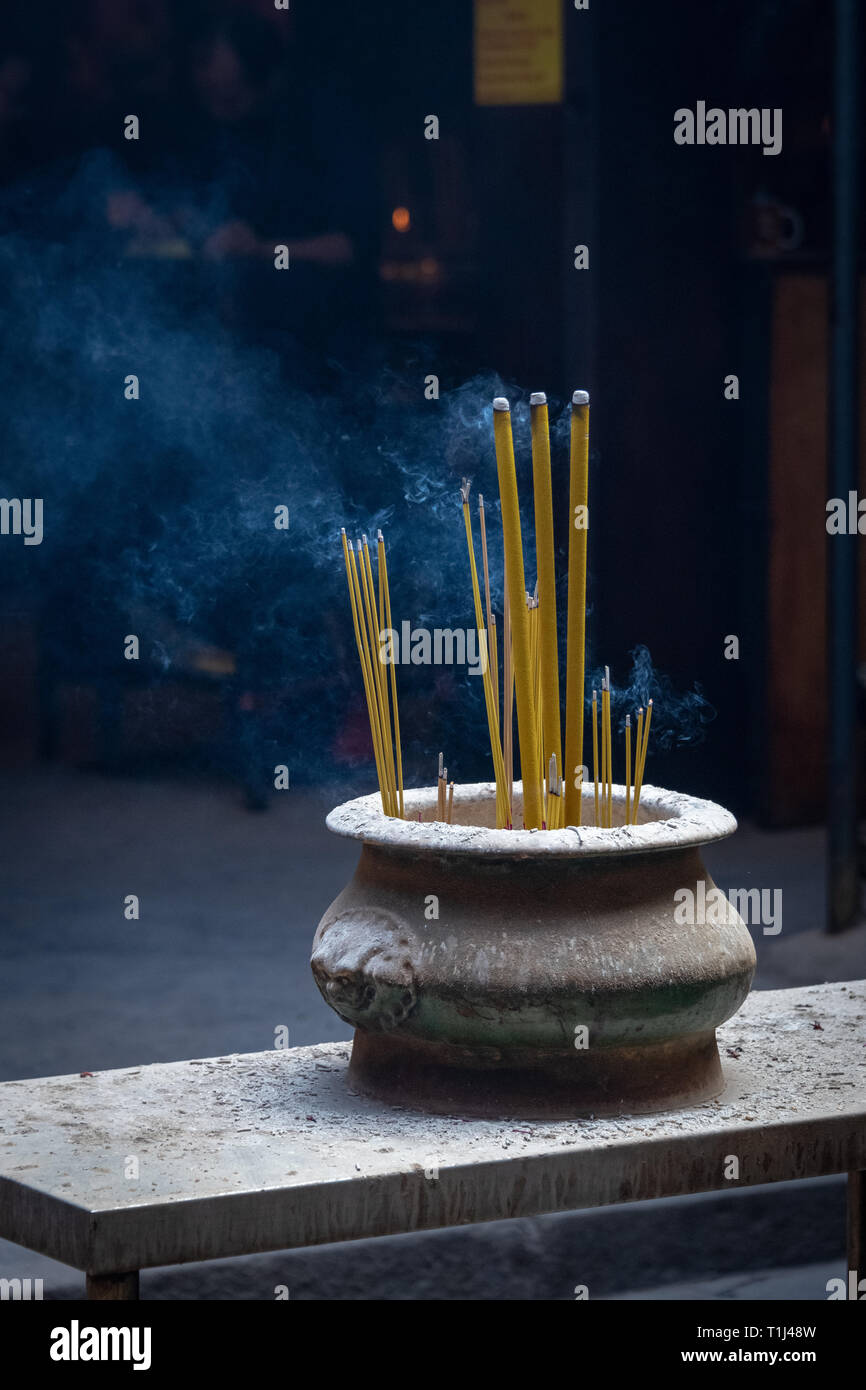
{"points": [[539, 974]]}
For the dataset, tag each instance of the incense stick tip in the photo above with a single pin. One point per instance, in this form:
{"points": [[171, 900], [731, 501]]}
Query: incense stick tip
{"points": [[465, 485], [538, 398], [500, 403], [580, 398]]}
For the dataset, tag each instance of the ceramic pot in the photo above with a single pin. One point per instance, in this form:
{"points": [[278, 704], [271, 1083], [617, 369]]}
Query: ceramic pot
{"points": [[533, 973]]}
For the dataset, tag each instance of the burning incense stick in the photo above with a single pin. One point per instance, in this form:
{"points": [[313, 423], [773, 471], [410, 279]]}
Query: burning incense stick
{"points": [[595, 751], [379, 675], [627, 768], [386, 625], [549, 653], [491, 621], [638, 781], [526, 721], [576, 621], [363, 655], [530, 655], [492, 722], [608, 748], [508, 699]]}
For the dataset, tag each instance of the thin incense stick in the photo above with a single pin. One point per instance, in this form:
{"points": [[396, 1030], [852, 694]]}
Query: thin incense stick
{"points": [[579, 780], [535, 656], [526, 721], [363, 654], [595, 750], [508, 699], [494, 662], [383, 585], [370, 658], [638, 784], [450, 803], [576, 621], [491, 621], [609, 751], [549, 652], [638, 743], [627, 769], [492, 723], [381, 682]]}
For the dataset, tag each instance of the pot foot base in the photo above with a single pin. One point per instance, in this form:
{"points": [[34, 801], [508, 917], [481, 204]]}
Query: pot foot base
{"points": [[443, 1079]]}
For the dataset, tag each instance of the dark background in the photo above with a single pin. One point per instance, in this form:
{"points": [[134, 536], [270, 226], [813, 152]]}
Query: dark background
{"points": [[306, 388]]}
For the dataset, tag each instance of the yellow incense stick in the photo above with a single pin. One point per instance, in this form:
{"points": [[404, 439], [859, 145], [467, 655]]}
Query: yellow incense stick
{"points": [[549, 653], [362, 656], [595, 751], [627, 768], [508, 700], [605, 749], [638, 740], [383, 586], [549, 812], [363, 653], [638, 781], [380, 677], [526, 721], [576, 621], [494, 661], [492, 723], [491, 628], [609, 750], [450, 803], [369, 659], [535, 657]]}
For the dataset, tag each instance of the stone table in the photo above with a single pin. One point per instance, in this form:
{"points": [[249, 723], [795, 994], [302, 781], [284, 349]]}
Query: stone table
{"points": [[197, 1160]]}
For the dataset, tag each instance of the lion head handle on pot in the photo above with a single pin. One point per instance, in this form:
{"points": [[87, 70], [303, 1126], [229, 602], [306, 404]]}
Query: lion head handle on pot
{"points": [[365, 967]]}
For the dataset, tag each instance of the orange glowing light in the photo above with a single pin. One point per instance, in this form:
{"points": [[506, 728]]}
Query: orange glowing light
{"points": [[400, 219]]}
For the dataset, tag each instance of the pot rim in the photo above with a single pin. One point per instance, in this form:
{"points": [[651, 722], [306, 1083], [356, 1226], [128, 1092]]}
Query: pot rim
{"points": [[673, 821]]}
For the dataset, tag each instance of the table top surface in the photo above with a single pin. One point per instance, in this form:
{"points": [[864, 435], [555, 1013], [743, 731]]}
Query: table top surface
{"points": [[270, 1150]]}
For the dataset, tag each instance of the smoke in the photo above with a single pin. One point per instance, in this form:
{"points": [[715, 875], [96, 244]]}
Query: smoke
{"points": [[678, 719], [159, 511]]}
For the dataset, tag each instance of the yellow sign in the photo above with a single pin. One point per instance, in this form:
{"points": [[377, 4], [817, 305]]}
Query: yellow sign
{"points": [[518, 52]]}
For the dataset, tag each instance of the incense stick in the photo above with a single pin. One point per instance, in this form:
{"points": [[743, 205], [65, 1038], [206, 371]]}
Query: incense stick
{"points": [[526, 721], [627, 768], [363, 654], [379, 675], [576, 620], [638, 781], [492, 722], [508, 699], [595, 750], [383, 588], [491, 621], [548, 652]]}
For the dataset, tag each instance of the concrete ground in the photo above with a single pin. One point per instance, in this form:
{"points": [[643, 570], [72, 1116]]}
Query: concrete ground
{"points": [[219, 959]]}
